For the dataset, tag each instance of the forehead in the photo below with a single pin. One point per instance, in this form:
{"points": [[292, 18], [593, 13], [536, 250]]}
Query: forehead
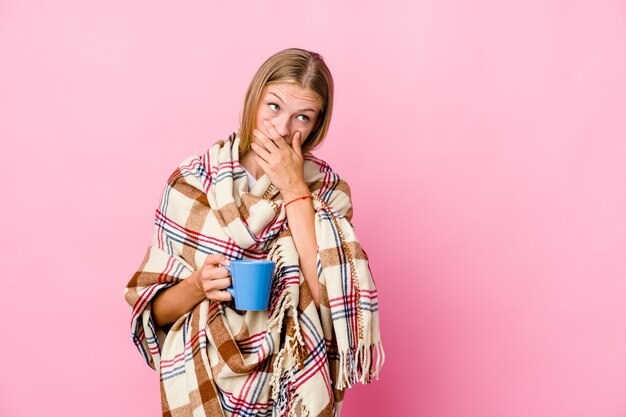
{"points": [[292, 93]]}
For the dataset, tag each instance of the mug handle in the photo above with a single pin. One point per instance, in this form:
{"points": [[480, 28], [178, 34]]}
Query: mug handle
{"points": [[230, 289]]}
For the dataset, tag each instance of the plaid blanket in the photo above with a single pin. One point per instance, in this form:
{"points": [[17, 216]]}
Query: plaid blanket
{"points": [[292, 359]]}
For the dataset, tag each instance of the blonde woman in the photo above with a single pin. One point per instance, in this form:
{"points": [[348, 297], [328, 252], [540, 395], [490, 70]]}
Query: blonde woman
{"points": [[260, 194]]}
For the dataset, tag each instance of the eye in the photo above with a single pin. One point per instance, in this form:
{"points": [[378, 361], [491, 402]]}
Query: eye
{"points": [[274, 106], [303, 118]]}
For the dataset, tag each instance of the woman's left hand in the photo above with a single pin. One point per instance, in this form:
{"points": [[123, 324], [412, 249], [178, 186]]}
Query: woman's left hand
{"points": [[284, 164]]}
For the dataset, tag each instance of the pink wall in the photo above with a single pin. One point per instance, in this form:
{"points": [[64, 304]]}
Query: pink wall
{"points": [[484, 141]]}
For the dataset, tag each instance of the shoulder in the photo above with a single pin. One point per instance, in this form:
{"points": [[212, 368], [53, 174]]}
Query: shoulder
{"points": [[188, 167], [322, 179], [198, 170], [316, 163], [328, 184], [188, 177]]}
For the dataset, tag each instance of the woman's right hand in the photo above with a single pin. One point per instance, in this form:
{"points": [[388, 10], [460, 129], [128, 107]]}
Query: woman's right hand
{"points": [[213, 279]]}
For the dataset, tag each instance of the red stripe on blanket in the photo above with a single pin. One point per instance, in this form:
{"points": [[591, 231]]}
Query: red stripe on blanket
{"points": [[168, 363], [364, 294], [245, 390], [317, 365], [192, 166], [248, 405], [144, 298], [254, 338], [227, 246]]}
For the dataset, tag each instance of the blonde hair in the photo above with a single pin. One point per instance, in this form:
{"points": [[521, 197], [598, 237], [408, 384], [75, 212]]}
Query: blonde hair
{"points": [[298, 66]]}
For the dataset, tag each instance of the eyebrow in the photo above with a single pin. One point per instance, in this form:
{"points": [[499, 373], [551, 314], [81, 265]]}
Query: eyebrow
{"points": [[281, 100]]}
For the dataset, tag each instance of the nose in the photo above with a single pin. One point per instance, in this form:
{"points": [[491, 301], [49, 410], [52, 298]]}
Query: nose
{"points": [[281, 123]]}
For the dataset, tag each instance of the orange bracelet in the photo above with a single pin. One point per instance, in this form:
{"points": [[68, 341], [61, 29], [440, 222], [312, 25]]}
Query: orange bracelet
{"points": [[299, 198]]}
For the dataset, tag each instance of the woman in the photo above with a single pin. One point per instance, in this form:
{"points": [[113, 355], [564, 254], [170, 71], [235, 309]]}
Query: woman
{"points": [[259, 195]]}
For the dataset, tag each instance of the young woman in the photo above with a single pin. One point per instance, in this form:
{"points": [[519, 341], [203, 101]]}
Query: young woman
{"points": [[260, 194]]}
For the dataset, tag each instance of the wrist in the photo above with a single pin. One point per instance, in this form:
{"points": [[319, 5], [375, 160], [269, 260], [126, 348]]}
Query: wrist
{"points": [[296, 192], [295, 200], [195, 284]]}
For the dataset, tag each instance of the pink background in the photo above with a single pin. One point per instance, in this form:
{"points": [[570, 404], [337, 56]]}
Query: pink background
{"points": [[485, 143]]}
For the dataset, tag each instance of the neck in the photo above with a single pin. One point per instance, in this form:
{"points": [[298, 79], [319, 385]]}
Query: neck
{"points": [[250, 164]]}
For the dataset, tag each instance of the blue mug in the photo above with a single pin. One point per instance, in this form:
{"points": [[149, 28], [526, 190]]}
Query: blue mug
{"points": [[252, 282]]}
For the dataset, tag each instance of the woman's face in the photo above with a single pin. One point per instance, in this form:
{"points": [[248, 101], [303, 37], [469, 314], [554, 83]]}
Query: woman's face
{"points": [[290, 108]]}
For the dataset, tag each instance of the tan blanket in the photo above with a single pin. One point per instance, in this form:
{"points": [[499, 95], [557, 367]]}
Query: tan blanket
{"points": [[290, 360]]}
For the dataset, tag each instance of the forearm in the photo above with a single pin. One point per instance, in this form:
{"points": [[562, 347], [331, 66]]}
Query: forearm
{"points": [[174, 302], [301, 219]]}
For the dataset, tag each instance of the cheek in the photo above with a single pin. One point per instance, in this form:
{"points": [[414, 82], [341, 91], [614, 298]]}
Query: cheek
{"points": [[261, 115], [306, 132]]}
